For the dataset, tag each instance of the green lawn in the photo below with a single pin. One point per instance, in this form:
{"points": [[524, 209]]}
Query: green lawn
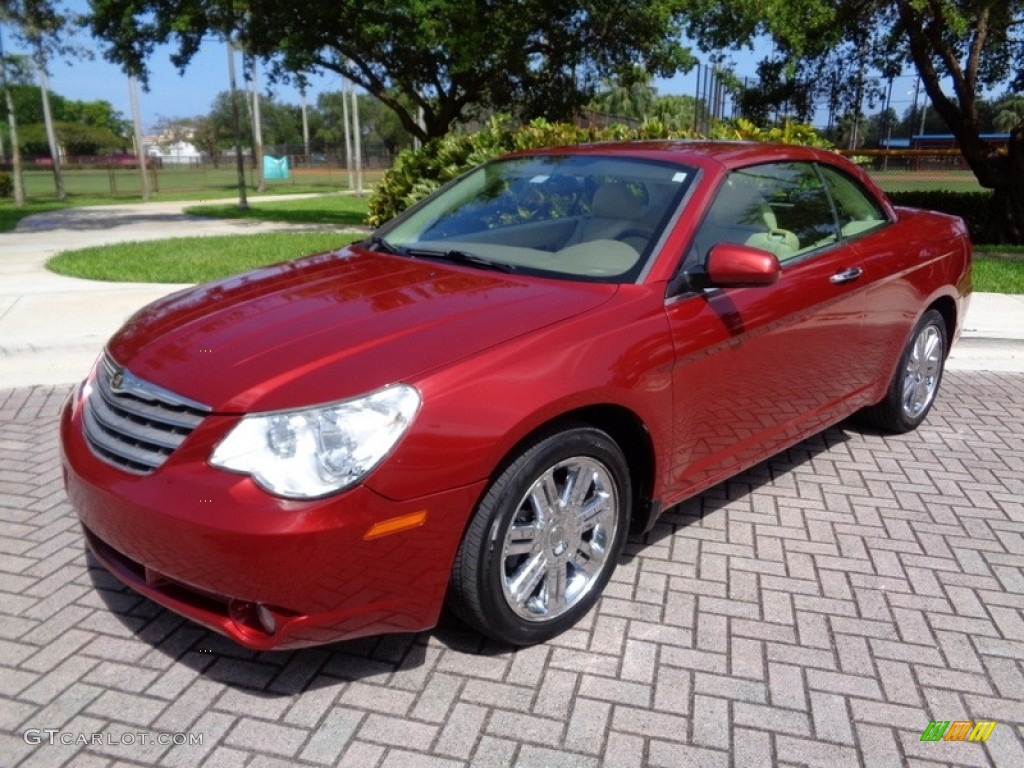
{"points": [[333, 210], [102, 186], [192, 259], [899, 180], [998, 275], [169, 180], [999, 250]]}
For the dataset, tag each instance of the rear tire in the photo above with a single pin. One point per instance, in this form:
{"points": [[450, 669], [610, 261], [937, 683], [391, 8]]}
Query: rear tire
{"points": [[913, 387], [545, 538]]}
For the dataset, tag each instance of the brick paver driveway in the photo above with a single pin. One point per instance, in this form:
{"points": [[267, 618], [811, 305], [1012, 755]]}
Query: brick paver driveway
{"points": [[821, 609]]}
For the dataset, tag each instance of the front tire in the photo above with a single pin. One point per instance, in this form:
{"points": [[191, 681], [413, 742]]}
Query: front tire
{"points": [[545, 538], [913, 387]]}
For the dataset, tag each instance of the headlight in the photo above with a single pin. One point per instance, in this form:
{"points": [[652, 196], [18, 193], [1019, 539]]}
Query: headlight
{"points": [[314, 452]]}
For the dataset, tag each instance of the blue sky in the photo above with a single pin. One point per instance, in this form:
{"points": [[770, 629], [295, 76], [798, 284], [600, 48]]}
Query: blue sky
{"points": [[172, 95]]}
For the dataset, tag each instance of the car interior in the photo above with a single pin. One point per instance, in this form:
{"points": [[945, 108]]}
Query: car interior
{"points": [[595, 221]]}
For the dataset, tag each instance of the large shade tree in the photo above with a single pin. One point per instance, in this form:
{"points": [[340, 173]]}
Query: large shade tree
{"points": [[433, 62], [960, 49]]}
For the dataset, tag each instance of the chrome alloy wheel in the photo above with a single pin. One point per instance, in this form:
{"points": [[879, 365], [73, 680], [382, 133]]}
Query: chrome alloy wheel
{"points": [[922, 372], [558, 543]]}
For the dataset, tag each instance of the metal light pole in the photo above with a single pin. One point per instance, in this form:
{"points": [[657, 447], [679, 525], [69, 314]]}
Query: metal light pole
{"points": [[257, 127], [357, 135], [348, 132], [305, 126]]}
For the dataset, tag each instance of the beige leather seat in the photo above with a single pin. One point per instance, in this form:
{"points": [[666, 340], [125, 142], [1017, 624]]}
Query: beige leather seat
{"points": [[783, 243], [613, 212]]}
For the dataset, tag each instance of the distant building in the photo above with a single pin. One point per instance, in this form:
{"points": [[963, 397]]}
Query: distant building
{"points": [[175, 153], [168, 149], [894, 143]]}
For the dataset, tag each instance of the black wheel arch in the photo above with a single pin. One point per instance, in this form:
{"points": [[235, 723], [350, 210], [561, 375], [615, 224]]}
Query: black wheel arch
{"points": [[946, 307], [627, 430]]}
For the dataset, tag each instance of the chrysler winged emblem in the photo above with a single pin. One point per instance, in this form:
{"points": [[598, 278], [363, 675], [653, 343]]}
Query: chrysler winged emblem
{"points": [[124, 382]]}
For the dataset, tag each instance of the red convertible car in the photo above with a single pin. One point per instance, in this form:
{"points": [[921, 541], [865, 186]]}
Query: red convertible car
{"points": [[475, 405]]}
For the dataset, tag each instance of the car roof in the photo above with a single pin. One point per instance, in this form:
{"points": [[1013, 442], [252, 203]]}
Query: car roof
{"points": [[701, 152]]}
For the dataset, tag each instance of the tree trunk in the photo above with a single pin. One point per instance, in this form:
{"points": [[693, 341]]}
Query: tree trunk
{"points": [[1004, 175], [51, 135], [1008, 199], [12, 121], [243, 202]]}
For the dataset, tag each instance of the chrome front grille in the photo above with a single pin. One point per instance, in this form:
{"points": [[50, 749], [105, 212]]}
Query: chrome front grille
{"points": [[135, 425]]}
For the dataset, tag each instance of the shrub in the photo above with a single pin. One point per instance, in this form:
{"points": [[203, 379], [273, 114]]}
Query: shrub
{"points": [[417, 173], [972, 207], [6, 184]]}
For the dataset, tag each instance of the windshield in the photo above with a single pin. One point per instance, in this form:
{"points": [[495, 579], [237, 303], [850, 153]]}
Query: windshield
{"points": [[582, 217]]}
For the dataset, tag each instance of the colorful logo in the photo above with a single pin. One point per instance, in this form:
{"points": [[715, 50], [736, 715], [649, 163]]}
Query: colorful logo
{"points": [[958, 730]]}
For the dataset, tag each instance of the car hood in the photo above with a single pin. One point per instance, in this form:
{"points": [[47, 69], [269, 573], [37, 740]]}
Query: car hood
{"points": [[333, 326]]}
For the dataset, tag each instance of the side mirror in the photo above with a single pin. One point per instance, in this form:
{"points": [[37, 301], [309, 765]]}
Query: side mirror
{"points": [[731, 265]]}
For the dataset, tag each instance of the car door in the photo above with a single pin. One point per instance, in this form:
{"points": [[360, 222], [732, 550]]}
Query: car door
{"points": [[757, 368], [895, 257]]}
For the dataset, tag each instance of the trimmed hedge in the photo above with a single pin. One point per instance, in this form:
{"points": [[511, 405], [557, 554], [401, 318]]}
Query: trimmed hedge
{"points": [[972, 207], [417, 173]]}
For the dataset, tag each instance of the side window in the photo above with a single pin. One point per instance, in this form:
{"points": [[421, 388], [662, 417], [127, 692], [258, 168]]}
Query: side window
{"points": [[779, 207], [801, 206], [858, 211]]}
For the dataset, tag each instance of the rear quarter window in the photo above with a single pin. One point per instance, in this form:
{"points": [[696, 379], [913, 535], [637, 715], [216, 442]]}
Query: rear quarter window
{"points": [[856, 208]]}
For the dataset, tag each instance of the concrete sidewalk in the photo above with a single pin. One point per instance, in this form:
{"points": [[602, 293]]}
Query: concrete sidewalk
{"points": [[52, 327], [993, 335]]}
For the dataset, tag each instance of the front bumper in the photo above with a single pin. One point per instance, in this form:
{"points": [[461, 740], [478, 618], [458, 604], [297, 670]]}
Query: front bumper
{"points": [[267, 572]]}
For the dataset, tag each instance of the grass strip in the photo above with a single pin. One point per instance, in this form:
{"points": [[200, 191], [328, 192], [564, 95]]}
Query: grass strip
{"points": [[333, 210], [192, 259], [998, 275]]}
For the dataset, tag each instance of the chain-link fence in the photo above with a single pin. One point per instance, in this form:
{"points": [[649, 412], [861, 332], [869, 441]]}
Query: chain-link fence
{"points": [[119, 176], [893, 170]]}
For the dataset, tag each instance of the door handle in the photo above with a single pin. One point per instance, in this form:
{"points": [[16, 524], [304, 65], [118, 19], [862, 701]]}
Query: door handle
{"points": [[846, 276]]}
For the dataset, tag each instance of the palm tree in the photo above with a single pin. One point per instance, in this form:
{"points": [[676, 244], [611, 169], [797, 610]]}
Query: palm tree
{"points": [[632, 96], [51, 134], [13, 66]]}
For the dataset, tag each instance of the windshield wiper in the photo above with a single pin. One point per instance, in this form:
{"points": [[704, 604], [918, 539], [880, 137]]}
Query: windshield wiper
{"points": [[462, 257], [380, 244]]}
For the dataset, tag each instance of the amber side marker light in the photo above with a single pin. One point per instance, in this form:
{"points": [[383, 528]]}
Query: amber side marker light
{"points": [[396, 525]]}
